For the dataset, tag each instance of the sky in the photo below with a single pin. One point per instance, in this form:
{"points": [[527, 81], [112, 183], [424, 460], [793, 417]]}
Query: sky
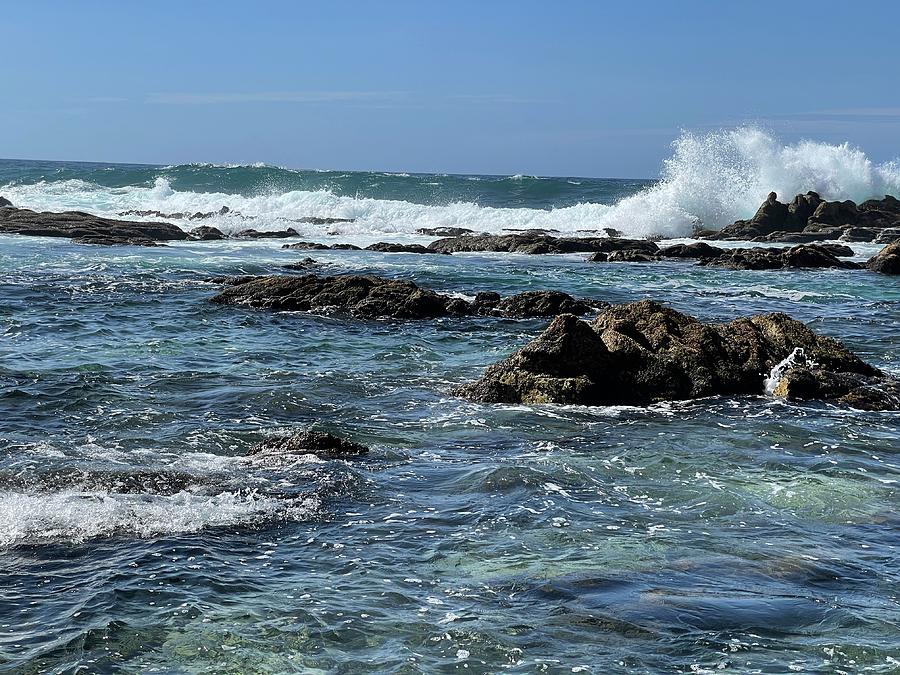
{"points": [[500, 87]]}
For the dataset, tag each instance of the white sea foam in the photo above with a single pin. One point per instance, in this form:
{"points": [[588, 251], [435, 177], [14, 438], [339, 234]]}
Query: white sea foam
{"points": [[710, 180], [795, 358], [78, 516]]}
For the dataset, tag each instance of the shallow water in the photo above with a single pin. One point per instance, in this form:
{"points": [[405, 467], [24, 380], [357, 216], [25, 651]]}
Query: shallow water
{"points": [[740, 534]]}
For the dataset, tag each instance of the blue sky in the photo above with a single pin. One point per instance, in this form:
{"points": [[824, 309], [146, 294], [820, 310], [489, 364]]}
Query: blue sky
{"points": [[568, 88]]}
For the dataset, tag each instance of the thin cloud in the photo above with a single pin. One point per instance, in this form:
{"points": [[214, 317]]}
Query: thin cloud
{"points": [[168, 98]]}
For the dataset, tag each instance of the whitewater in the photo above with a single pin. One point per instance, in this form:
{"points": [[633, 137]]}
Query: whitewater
{"points": [[710, 180]]}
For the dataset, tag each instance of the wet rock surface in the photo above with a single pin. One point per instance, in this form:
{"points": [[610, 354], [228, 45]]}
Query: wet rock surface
{"points": [[207, 233], [318, 443], [645, 352], [267, 234], [372, 297], [810, 218], [887, 260], [796, 257], [86, 228], [537, 243]]}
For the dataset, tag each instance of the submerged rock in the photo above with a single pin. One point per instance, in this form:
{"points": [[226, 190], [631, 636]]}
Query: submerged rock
{"points": [[87, 228], [318, 443], [207, 233], [268, 234], [385, 247], [802, 256], [644, 352], [887, 260], [372, 297], [536, 243]]}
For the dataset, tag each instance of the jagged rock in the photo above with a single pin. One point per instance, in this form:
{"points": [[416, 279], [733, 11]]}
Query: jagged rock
{"points": [[385, 247], [318, 443], [372, 297], [888, 236], [858, 234], [86, 228], [624, 255], [887, 260], [538, 244], [207, 233], [444, 231], [319, 220], [644, 352], [307, 246], [802, 256], [696, 250], [4, 202], [304, 264], [273, 234], [836, 213]]}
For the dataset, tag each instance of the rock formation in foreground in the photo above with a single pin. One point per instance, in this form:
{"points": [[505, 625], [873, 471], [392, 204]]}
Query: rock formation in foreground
{"points": [[84, 228], [318, 443], [370, 297], [644, 352], [887, 260], [810, 218]]}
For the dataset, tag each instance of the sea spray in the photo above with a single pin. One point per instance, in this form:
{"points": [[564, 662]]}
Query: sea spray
{"points": [[710, 180], [795, 358]]}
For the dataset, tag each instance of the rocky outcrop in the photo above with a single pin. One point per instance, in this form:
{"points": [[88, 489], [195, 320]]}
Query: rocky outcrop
{"points": [[267, 234], [624, 255], [370, 297], [810, 218], [86, 228], [644, 352], [887, 260], [4, 202], [802, 256], [696, 250], [538, 244], [206, 233], [385, 247], [318, 443], [444, 231]]}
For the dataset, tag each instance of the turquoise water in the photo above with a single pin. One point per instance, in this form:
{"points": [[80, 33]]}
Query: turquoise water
{"points": [[743, 535]]}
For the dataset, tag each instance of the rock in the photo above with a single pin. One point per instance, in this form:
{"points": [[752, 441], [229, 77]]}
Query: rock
{"points": [[370, 297], [444, 231], [318, 443], [697, 250], [4, 202], [304, 264], [837, 250], [802, 207], [318, 220], [273, 234], [887, 260], [644, 352], [207, 233], [538, 244], [385, 247], [535, 303], [802, 256], [307, 246], [87, 228], [629, 255], [888, 236]]}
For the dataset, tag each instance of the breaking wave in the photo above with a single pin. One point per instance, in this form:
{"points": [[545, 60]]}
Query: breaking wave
{"points": [[710, 180]]}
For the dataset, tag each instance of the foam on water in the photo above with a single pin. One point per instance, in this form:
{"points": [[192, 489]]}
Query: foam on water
{"points": [[76, 516], [710, 180]]}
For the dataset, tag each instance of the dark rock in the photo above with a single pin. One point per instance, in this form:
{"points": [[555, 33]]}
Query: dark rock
{"points": [[696, 250], [274, 234], [538, 244], [233, 280], [384, 247], [536, 303], [644, 352], [801, 208], [630, 255], [888, 236], [4, 202], [304, 264], [206, 233], [837, 250], [799, 237], [370, 297], [345, 247], [802, 256], [887, 260], [836, 213], [87, 228], [318, 443], [318, 220], [307, 246], [858, 234], [444, 231]]}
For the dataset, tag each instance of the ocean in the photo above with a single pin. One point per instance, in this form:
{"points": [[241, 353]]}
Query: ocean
{"points": [[136, 535]]}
